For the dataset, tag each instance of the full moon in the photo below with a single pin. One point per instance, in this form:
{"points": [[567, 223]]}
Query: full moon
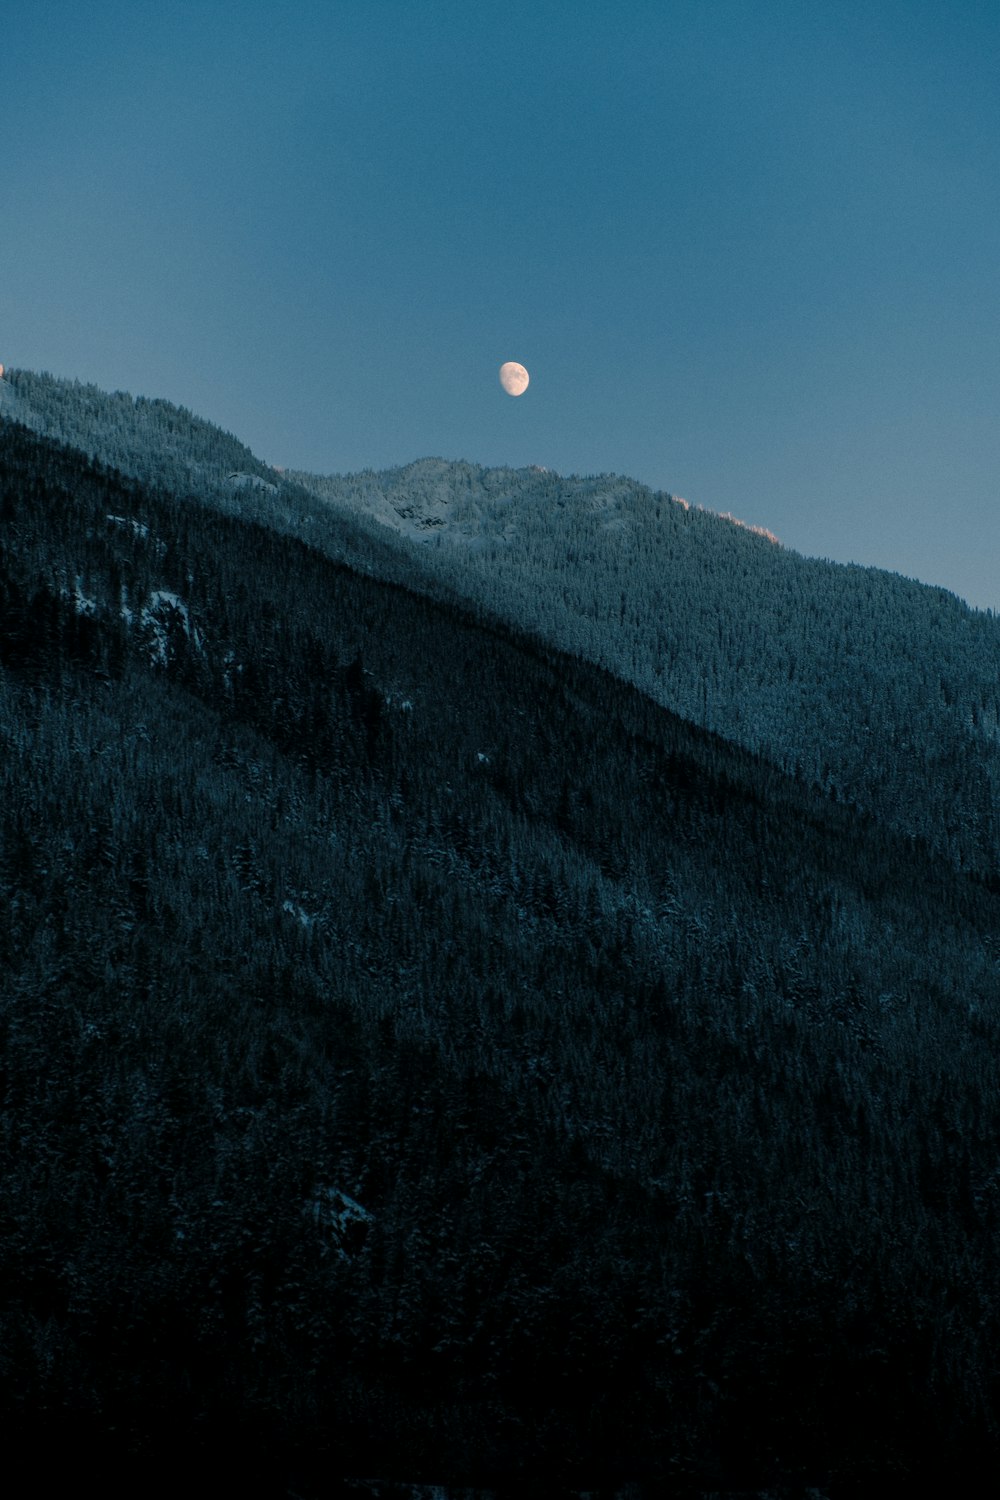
{"points": [[514, 378]]}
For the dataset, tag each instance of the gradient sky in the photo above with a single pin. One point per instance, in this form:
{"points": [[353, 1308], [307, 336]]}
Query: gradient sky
{"points": [[749, 252]]}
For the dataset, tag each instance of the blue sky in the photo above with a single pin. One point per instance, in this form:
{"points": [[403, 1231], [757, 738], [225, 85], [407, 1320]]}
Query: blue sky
{"points": [[749, 252]]}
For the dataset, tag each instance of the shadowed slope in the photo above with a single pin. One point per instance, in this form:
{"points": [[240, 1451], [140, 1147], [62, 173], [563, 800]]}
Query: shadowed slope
{"points": [[423, 1051]]}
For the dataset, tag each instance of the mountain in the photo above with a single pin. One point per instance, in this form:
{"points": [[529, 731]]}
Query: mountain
{"points": [[426, 1054], [168, 448], [881, 692]]}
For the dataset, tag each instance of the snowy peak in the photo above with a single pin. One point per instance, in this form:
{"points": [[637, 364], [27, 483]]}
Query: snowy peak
{"points": [[459, 503]]}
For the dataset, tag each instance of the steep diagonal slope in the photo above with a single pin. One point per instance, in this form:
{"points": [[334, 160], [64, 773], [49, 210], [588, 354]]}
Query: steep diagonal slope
{"points": [[169, 448], [419, 1049], [881, 692]]}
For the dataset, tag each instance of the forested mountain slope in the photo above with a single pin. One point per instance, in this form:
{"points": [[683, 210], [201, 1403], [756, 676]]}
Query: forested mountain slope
{"points": [[150, 438], [167, 447], [882, 692], [422, 1053]]}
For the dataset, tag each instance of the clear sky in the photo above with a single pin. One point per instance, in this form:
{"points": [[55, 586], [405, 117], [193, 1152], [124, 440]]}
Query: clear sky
{"points": [[749, 252]]}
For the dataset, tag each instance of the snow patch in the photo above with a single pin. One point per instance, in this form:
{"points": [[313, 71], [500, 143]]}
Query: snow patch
{"points": [[81, 603], [138, 527], [340, 1217], [240, 481], [163, 610], [299, 912]]}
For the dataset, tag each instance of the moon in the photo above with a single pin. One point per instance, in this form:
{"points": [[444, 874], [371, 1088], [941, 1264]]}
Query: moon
{"points": [[514, 378]]}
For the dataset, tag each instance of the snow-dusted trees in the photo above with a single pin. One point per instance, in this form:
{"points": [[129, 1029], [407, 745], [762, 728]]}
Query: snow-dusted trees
{"points": [[855, 679]]}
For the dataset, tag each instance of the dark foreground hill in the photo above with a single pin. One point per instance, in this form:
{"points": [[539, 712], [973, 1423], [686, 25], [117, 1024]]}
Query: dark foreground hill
{"points": [[423, 1054]]}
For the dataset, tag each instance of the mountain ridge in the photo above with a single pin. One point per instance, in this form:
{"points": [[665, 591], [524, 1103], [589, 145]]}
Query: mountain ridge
{"points": [[879, 690]]}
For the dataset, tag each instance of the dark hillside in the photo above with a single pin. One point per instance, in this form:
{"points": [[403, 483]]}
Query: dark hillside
{"points": [[874, 689], [423, 1054]]}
